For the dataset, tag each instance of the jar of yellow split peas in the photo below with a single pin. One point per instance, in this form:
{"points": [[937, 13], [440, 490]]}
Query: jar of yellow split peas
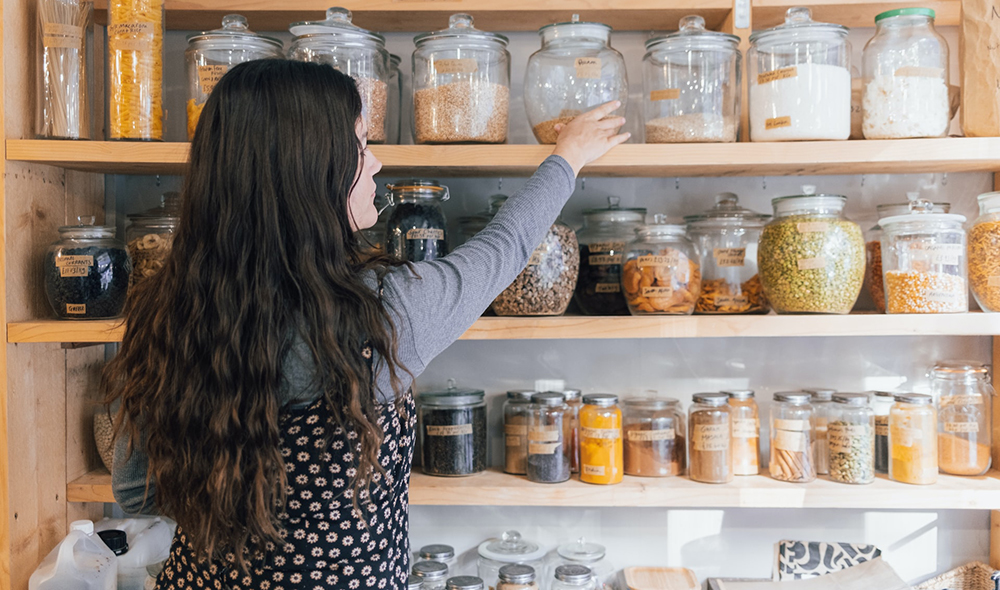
{"points": [[602, 454]]}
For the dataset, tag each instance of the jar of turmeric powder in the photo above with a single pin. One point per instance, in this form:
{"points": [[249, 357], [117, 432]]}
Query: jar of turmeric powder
{"points": [[602, 459], [965, 399], [913, 453], [746, 432]]}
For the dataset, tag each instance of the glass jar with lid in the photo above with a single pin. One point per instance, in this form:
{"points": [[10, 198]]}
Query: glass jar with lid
{"points": [[601, 450], [710, 438], [452, 431], [134, 72], [984, 253], [509, 548], [726, 237], [438, 552], [851, 439], [746, 431], [913, 453], [516, 576], [881, 405], [585, 553], [412, 582], [433, 574], [965, 399], [923, 261], [654, 429], [461, 84], [661, 274], [548, 453], [822, 404], [87, 272], [800, 80], [516, 415], [354, 51], [394, 103], [692, 86], [417, 229], [811, 258], [573, 577], [574, 402], [791, 438], [575, 71], [905, 77], [62, 107], [211, 54], [465, 583], [605, 233], [150, 235]]}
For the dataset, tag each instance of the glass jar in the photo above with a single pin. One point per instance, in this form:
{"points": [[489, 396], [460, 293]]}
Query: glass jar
{"points": [[465, 583], [575, 71], [438, 552], [811, 258], [372, 239], [453, 431], [913, 454], [746, 432], [710, 439], [548, 453], [661, 274], [923, 261], [905, 77], [433, 574], [412, 582], [822, 403], [353, 51], [573, 577], [417, 229], [574, 401], [984, 253], [726, 237], [601, 449], [881, 406], [516, 414], [135, 69], [150, 236], [965, 399], [692, 86], [800, 80], [654, 437], [86, 272], [791, 444], [605, 233], [589, 554], [394, 103], [461, 84], [516, 576], [62, 106], [211, 54], [509, 548], [851, 439]]}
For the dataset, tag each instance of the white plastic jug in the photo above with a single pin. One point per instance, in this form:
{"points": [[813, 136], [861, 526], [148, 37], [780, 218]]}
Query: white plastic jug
{"points": [[80, 562], [148, 543]]}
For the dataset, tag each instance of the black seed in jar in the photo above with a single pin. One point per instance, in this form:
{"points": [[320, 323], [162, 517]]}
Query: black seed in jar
{"points": [[87, 283], [548, 467], [454, 440], [417, 232], [598, 290]]}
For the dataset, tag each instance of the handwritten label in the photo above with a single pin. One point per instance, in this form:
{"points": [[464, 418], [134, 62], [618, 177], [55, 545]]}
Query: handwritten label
{"points": [[514, 441], [775, 75], [665, 94], [593, 470], [209, 76], [745, 428], [919, 71], [453, 430], [604, 433], [651, 435], [76, 308], [949, 297], [974, 399], [788, 440], [515, 429], [131, 36], [812, 263], [588, 68], [726, 257], [961, 427], [726, 300], [665, 260], [945, 254], [543, 448], [906, 437], [543, 435], [62, 36], [606, 247], [74, 266], [421, 233], [604, 259], [844, 437], [793, 425], [777, 123], [809, 227], [607, 288], [881, 426], [710, 437], [537, 256], [658, 292], [456, 66], [130, 44]]}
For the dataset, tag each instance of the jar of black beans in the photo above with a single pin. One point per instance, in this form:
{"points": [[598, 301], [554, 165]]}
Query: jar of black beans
{"points": [[417, 229], [548, 453], [602, 240], [453, 431], [87, 272]]}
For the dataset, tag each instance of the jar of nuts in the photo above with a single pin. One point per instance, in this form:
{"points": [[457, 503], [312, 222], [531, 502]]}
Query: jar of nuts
{"points": [[662, 271], [150, 235], [605, 233]]}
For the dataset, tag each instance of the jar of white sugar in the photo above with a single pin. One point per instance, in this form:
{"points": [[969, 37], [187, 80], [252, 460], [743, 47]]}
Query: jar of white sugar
{"points": [[800, 80]]}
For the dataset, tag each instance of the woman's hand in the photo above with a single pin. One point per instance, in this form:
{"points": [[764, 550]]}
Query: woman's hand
{"points": [[590, 136]]}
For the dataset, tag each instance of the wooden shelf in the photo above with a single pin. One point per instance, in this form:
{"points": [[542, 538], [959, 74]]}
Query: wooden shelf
{"points": [[92, 487], [850, 13]]}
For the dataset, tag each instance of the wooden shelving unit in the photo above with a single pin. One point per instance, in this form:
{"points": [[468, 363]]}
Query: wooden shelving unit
{"points": [[850, 13]]}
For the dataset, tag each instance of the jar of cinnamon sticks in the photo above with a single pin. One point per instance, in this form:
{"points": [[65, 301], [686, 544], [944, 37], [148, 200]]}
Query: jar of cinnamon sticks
{"points": [[791, 434]]}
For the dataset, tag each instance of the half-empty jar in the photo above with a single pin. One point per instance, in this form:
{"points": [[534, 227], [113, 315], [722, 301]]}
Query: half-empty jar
{"points": [[913, 455], [710, 428], [791, 434], [655, 445]]}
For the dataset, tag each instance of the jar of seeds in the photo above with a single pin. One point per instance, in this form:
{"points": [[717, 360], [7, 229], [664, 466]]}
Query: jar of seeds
{"points": [[822, 403], [86, 272], [548, 453], [150, 235], [452, 431], [516, 413], [791, 445], [851, 439], [417, 229]]}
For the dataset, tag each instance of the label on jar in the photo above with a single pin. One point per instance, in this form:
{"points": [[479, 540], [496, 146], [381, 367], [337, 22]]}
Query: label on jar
{"points": [[604, 259], [819, 424], [606, 433], [726, 257], [537, 256], [606, 247], [844, 437], [993, 282], [961, 427], [456, 66], [515, 429], [588, 68], [881, 426], [131, 36], [62, 36], [209, 76], [787, 440], [662, 260], [665, 94], [74, 266], [949, 297], [421, 233], [745, 428], [810, 227], [775, 75], [451, 430], [543, 448], [593, 470], [777, 123], [812, 263], [607, 288], [514, 441], [726, 300], [945, 254], [974, 399], [922, 72], [651, 435], [792, 425], [906, 437], [710, 437], [543, 435], [658, 292], [76, 308]]}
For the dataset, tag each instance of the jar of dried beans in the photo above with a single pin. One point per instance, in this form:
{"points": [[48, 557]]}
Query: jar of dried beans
{"points": [[913, 454], [822, 403], [710, 429], [746, 432], [548, 453], [851, 439], [984, 253], [654, 437], [661, 274], [791, 438], [605, 233], [150, 235], [965, 399], [601, 451], [516, 412]]}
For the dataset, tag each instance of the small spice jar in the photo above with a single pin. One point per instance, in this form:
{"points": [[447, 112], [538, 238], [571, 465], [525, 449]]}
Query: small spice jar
{"points": [[573, 577], [516, 414], [881, 406], [465, 583], [654, 437], [746, 432], [433, 574], [589, 554], [86, 272], [605, 234], [509, 548], [412, 583], [417, 229], [438, 552], [548, 453], [791, 444], [710, 438], [661, 274], [913, 454], [984, 253], [851, 439], [601, 450], [822, 403], [516, 576], [453, 431], [150, 236], [965, 399], [574, 402]]}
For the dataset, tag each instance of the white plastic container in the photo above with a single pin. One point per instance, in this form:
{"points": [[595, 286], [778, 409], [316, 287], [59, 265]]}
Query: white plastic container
{"points": [[80, 562], [148, 543]]}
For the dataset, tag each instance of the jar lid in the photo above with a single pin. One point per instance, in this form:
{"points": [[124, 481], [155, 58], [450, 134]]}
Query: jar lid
{"points": [[337, 24], [905, 12], [710, 399], [914, 398], [169, 209], [452, 396], [573, 574], [692, 34], [797, 398], [394, 61], [548, 398], [581, 550], [614, 212], [517, 573], [572, 394], [601, 400], [892, 209], [651, 403], [883, 394], [510, 548], [819, 394], [414, 583], [661, 227], [959, 369], [235, 32], [86, 229], [800, 27], [430, 570], [519, 396], [435, 552], [727, 211], [808, 199], [851, 399], [460, 26], [418, 188], [575, 29], [989, 201], [84, 526], [921, 218], [739, 393], [464, 583]]}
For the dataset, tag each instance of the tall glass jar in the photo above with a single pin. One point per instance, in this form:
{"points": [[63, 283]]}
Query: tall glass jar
{"points": [[661, 274], [86, 272], [575, 71], [574, 402], [548, 453], [984, 253], [135, 69], [905, 77], [516, 576], [880, 407], [851, 439], [452, 431], [601, 450], [605, 233], [800, 80], [692, 86], [822, 403], [516, 414], [965, 399], [655, 444], [150, 236], [746, 432], [432, 574], [727, 236], [913, 454], [811, 258], [710, 428], [353, 51], [509, 548], [417, 229], [62, 106], [791, 432], [461, 84], [394, 103], [573, 577]]}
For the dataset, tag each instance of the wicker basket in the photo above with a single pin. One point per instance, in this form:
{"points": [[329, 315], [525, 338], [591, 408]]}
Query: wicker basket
{"points": [[971, 576]]}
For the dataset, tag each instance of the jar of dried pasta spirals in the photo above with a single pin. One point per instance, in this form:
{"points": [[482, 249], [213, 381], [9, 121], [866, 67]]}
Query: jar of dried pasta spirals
{"points": [[150, 236]]}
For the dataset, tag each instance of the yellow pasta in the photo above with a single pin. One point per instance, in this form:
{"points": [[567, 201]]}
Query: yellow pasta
{"points": [[135, 68], [194, 113]]}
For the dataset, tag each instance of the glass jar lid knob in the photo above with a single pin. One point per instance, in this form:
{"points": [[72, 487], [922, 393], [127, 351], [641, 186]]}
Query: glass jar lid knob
{"points": [[726, 200], [918, 205], [808, 189], [86, 220], [798, 15], [660, 219], [692, 23], [614, 202], [235, 22], [575, 18], [460, 21], [339, 14]]}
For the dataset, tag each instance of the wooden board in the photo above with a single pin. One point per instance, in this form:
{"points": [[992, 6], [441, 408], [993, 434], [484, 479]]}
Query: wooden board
{"points": [[850, 13]]}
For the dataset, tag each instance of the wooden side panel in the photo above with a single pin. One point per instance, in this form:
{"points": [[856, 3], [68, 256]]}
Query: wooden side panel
{"points": [[995, 539], [6, 512]]}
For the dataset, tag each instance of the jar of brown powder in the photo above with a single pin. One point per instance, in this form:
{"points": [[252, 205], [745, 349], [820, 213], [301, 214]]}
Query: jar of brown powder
{"points": [[654, 437]]}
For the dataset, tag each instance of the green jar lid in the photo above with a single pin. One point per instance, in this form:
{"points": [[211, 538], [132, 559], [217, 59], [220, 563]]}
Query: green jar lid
{"points": [[906, 12]]}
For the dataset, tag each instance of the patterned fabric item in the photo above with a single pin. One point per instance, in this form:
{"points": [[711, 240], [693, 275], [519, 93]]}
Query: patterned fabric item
{"points": [[800, 560]]}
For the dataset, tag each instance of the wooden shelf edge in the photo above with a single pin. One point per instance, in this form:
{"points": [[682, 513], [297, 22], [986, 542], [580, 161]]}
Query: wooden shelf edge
{"points": [[94, 486], [66, 331]]}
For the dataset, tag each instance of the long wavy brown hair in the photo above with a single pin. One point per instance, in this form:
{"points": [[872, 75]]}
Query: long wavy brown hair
{"points": [[264, 250]]}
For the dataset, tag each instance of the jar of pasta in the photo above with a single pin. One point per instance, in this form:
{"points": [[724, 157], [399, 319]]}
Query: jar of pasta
{"points": [[965, 399], [851, 439], [150, 236], [601, 450], [661, 274], [135, 69], [654, 437], [791, 438], [710, 428], [822, 403], [516, 413], [746, 432], [605, 233], [913, 436], [62, 107], [548, 453], [880, 406], [984, 253]]}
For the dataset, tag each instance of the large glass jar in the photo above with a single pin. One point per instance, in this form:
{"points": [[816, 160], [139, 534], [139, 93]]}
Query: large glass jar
{"points": [[417, 229], [851, 439], [880, 406], [811, 258], [353, 51], [905, 77], [461, 84], [150, 236], [575, 71], [746, 432], [727, 236], [135, 69], [661, 274], [923, 261], [86, 272], [601, 450], [710, 438], [692, 87], [394, 103], [515, 576], [913, 454], [433, 574], [605, 233], [800, 80], [573, 577], [453, 431], [655, 445], [509, 548], [62, 104], [822, 403], [984, 253], [548, 453], [211, 54], [516, 413], [791, 438], [965, 399]]}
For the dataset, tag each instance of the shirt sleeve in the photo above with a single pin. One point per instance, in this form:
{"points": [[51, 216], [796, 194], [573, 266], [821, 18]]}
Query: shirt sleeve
{"points": [[128, 478]]}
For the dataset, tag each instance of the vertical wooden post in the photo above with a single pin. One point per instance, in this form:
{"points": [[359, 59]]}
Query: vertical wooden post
{"points": [[5, 511], [740, 23], [995, 539]]}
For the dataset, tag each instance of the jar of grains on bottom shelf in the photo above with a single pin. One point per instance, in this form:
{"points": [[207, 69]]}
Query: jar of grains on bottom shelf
{"points": [[913, 454], [710, 438], [791, 429]]}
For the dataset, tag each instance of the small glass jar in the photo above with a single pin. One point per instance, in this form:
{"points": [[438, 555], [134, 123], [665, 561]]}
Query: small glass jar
{"points": [[509, 548], [62, 106], [602, 459], [353, 51], [516, 414], [851, 439], [661, 274], [574, 401], [822, 403], [394, 103], [655, 444], [575, 71], [710, 438], [984, 253], [791, 444], [417, 229], [211, 54], [433, 574], [150, 236], [923, 261], [965, 399], [516, 576], [880, 407], [905, 77], [573, 577], [548, 453], [746, 432], [86, 272], [589, 554], [726, 237], [692, 86], [811, 258], [461, 84], [438, 552], [465, 583], [800, 80], [453, 431], [135, 70], [412, 583], [605, 233], [913, 453]]}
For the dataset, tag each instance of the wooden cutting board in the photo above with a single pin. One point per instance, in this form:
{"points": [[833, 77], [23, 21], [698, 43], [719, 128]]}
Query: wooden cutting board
{"points": [[661, 578]]}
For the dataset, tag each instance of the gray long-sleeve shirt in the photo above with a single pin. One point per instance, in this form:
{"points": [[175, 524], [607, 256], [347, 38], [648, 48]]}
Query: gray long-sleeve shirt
{"points": [[431, 307]]}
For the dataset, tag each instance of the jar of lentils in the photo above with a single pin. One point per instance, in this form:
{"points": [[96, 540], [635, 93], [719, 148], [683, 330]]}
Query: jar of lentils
{"points": [[851, 439]]}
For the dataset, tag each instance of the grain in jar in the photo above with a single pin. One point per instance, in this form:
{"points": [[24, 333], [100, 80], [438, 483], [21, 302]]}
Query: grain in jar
{"points": [[984, 253], [746, 432], [548, 453], [516, 413], [601, 449], [881, 405], [913, 453], [661, 274], [605, 234], [851, 439], [150, 237], [791, 444], [654, 437], [822, 403], [452, 431], [432, 574], [965, 401], [710, 459], [516, 576]]}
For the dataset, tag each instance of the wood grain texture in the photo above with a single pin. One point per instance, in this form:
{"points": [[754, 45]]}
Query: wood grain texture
{"points": [[850, 13], [995, 539], [6, 509]]}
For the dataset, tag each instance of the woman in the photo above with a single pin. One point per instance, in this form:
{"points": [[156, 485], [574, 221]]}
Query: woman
{"points": [[264, 378]]}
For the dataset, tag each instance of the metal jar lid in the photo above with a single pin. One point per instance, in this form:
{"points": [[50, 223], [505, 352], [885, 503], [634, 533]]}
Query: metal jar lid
{"points": [[516, 573], [430, 570], [451, 397], [520, 396], [414, 583], [651, 404], [601, 400], [820, 394], [710, 399], [436, 552], [572, 394], [918, 399], [929, 13], [235, 34], [739, 394], [460, 27], [548, 398], [574, 574], [464, 583], [797, 398], [851, 399]]}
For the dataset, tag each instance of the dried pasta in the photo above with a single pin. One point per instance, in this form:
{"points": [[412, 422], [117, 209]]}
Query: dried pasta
{"points": [[135, 69], [63, 109]]}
